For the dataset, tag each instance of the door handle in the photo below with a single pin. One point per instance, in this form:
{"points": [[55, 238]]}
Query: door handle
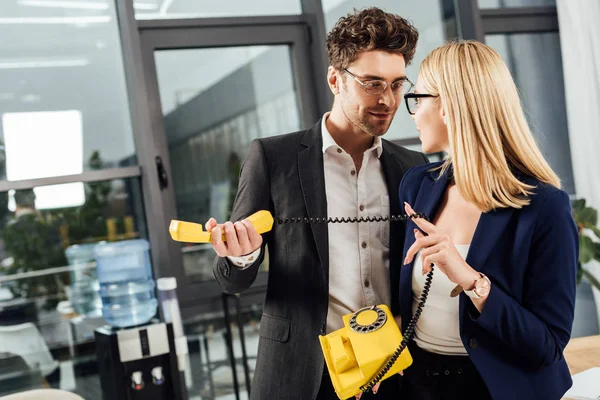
{"points": [[163, 179]]}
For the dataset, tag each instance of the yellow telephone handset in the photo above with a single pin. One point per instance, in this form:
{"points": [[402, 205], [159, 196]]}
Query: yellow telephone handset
{"points": [[356, 353], [190, 232]]}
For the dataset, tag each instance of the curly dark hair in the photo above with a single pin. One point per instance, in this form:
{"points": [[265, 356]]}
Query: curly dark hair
{"points": [[370, 29]]}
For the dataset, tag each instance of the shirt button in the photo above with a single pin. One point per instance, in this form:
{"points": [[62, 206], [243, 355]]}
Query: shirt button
{"points": [[361, 208], [473, 343], [322, 329], [353, 172], [367, 283], [364, 245], [339, 150]]}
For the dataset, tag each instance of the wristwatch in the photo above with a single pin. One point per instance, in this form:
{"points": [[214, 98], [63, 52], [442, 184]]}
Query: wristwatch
{"points": [[481, 287]]}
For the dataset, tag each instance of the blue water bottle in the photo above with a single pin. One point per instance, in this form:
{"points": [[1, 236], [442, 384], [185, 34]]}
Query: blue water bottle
{"points": [[84, 283], [126, 284]]}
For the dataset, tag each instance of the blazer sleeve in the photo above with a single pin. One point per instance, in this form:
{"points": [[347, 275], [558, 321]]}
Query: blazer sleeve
{"points": [[253, 195], [540, 327]]}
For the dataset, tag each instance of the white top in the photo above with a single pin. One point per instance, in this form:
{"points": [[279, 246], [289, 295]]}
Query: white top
{"points": [[358, 253], [437, 330]]}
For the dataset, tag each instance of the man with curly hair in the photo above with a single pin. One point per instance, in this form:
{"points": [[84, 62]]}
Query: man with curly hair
{"points": [[341, 167]]}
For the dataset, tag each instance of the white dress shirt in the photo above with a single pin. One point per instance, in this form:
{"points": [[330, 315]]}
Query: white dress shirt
{"points": [[358, 252], [437, 330]]}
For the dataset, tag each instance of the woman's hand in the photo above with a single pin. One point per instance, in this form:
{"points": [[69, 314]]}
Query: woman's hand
{"points": [[437, 248]]}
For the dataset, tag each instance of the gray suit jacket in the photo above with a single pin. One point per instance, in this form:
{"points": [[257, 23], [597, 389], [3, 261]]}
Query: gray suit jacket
{"points": [[284, 174]]}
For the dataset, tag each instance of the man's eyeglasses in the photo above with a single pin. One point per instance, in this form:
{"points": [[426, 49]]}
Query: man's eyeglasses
{"points": [[377, 87], [412, 101]]}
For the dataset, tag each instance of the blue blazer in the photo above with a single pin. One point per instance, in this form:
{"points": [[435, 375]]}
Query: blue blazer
{"points": [[530, 255]]}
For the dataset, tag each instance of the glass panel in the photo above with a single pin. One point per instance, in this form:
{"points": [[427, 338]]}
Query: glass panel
{"points": [[43, 282], [215, 102], [209, 360], [63, 97], [515, 3], [536, 64], [432, 18], [167, 9]]}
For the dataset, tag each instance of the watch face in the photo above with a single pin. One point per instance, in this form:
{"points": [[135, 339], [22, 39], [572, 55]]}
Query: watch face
{"points": [[482, 287]]}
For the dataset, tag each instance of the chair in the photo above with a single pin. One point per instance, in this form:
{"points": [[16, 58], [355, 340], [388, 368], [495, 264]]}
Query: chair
{"points": [[26, 341], [43, 394]]}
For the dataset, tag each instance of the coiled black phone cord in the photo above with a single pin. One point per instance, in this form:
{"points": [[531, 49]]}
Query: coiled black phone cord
{"points": [[338, 220], [410, 329]]}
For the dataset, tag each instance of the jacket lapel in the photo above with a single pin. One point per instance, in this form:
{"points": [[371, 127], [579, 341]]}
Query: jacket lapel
{"points": [[490, 228], [427, 202], [312, 181], [393, 170]]}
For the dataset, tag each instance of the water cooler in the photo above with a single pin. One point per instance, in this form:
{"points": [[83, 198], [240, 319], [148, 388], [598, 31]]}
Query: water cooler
{"points": [[139, 363], [138, 356]]}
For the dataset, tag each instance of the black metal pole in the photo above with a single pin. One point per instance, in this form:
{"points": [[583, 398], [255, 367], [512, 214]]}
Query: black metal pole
{"points": [[238, 309], [229, 342], [211, 383]]}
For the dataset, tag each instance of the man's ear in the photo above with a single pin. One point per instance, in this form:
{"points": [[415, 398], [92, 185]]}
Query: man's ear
{"points": [[333, 80]]}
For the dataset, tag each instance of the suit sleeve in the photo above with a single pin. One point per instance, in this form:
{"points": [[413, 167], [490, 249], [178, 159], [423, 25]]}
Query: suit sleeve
{"points": [[253, 195], [540, 327]]}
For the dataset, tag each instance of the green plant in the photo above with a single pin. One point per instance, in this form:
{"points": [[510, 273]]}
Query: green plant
{"points": [[589, 249], [34, 241]]}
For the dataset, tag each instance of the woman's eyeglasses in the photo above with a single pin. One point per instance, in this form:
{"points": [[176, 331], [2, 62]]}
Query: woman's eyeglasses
{"points": [[412, 101]]}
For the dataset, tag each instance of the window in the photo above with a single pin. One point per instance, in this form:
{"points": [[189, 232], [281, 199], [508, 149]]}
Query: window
{"points": [[65, 128], [515, 3], [166, 9], [63, 99], [536, 65]]}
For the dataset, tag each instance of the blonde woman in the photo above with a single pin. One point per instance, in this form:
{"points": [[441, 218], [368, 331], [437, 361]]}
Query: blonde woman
{"points": [[501, 240]]}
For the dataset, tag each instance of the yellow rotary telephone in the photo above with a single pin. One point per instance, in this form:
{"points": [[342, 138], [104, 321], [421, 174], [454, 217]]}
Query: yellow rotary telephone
{"points": [[364, 351], [370, 347]]}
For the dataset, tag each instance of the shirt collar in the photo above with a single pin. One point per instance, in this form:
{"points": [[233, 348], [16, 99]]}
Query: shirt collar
{"points": [[329, 142]]}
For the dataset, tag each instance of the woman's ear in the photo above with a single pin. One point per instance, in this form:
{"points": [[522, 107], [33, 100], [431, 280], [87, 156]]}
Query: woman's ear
{"points": [[443, 114], [332, 80]]}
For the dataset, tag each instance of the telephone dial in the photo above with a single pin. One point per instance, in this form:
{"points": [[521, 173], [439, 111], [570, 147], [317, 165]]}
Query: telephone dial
{"points": [[370, 347]]}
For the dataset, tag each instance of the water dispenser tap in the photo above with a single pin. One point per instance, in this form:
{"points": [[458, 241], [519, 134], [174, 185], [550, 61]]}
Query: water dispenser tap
{"points": [[157, 376], [137, 382]]}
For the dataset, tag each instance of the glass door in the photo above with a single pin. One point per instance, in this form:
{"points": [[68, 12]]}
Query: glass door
{"points": [[213, 90]]}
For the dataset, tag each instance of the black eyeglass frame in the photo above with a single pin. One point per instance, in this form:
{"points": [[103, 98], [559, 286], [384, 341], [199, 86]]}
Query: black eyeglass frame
{"points": [[416, 96]]}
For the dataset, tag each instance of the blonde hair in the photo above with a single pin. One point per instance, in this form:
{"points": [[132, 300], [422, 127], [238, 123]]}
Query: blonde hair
{"points": [[487, 131]]}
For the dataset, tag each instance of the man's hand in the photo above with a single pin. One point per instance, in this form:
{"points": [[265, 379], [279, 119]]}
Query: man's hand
{"points": [[241, 238]]}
